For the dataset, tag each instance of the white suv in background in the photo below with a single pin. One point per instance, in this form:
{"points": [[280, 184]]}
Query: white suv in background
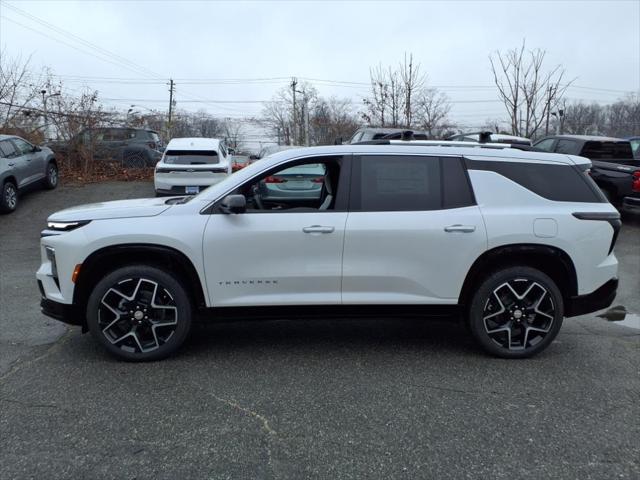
{"points": [[189, 165], [511, 241]]}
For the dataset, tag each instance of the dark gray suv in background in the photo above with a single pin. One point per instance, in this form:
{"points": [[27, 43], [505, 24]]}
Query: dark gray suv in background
{"points": [[23, 165], [132, 147]]}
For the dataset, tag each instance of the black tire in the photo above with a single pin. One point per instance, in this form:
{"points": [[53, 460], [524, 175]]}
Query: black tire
{"points": [[8, 197], [516, 312], [139, 313], [52, 176]]}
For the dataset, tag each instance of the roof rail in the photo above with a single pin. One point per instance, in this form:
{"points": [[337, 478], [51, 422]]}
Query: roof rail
{"points": [[450, 143]]}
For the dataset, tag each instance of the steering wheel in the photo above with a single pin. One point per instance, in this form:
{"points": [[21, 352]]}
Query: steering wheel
{"points": [[257, 199]]}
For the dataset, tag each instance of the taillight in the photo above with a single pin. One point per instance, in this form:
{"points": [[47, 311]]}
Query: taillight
{"points": [[274, 180], [636, 181], [318, 180]]}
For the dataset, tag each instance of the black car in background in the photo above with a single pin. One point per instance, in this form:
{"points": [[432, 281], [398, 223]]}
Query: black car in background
{"points": [[132, 147], [614, 168]]}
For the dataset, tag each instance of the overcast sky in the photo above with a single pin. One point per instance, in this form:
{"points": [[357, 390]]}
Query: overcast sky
{"points": [[598, 42]]}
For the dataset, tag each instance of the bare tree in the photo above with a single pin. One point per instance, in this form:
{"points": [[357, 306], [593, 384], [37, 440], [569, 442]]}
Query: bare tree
{"points": [[528, 91], [234, 134], [332, 119], [377, 104], [279, 112], [19, 90], [432, 111]]}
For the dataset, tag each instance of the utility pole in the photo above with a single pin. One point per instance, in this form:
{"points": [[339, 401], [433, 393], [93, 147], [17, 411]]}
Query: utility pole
{"points": [[305, 118], [294, 84], [171, 89], [549, 94]]}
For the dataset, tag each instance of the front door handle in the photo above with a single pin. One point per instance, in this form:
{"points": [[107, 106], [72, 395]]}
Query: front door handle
{"points": [[460, 228], [11, 164], [318, 229]]}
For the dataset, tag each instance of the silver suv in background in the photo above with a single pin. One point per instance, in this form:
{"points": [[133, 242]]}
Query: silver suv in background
{"points": [[23, 165]]}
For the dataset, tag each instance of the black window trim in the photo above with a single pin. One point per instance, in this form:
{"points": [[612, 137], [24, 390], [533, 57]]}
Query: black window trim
{"points": [[342, 196], [356, 172]]}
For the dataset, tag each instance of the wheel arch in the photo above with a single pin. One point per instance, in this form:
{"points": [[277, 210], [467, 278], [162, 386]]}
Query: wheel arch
{"points": [[552, 261], [107, 259]]}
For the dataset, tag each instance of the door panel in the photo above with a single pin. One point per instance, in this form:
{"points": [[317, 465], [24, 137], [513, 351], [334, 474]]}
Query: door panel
{"points": [[28, 161], [410, 257], [256, 259]]}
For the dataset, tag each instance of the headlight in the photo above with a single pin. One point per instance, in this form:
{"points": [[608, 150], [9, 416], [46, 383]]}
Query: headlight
{"points": [[51, 256], [65, 226]]}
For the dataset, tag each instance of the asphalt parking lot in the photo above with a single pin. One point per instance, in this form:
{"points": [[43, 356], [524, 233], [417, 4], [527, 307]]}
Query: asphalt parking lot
{"points": [[382, 398]]}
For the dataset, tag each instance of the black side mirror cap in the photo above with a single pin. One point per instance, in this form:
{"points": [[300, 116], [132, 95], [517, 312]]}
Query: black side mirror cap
{"points": [[36, 148], [233, 204], [253, 157]]}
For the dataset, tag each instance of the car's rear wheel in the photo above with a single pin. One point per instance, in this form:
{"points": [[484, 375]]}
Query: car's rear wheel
{"points": [[516, 312], [8, 197], [52, 177], [139, 313]]}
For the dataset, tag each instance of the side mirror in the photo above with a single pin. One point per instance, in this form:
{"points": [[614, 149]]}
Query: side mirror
{"points": [[253, 157], [36, 149], [338, 141], [233, 204]]}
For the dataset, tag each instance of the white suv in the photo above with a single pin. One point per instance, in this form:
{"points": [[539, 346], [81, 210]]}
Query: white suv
{"points": [[189, 165], [510, 240]]}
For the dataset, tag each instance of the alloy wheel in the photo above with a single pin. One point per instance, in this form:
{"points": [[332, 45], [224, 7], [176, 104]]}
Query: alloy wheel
{"points": [[53, 175], [518, 314], [10, 196], [138, 315]]}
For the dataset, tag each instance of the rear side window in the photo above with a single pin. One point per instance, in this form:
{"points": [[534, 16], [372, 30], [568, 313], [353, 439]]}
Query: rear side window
{"points": [[455, 182], [7, 150], [397, 183], [191, 157], [561, 183]]}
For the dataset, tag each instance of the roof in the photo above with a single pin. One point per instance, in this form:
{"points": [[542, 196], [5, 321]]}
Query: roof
{"points": [[587, 138], [487, 151], [193, 143], [5, 137]]}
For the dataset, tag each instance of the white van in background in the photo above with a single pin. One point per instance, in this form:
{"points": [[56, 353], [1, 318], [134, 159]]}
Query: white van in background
{"points": [[190, 165]]}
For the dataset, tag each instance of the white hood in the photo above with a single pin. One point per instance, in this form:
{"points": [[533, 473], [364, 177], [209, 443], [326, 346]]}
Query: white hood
{"points": [[139, 207]]}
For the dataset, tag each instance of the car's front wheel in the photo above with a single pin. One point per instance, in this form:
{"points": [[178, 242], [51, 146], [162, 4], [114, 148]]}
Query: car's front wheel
{"points": [[8, 197], [516, 312], [139, 313], [52, 177]]}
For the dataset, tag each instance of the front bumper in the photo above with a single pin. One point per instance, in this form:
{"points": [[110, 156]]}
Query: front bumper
{"points": [[61, 311], [592, 302]]}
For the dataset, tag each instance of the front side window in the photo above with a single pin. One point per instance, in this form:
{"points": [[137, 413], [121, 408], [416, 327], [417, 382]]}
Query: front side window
{"points": [[191, 157], [388, 183], [308, 186], [23, 147], [545, 145]]}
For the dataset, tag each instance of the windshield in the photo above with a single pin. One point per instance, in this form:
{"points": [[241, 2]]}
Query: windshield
{"points": [[191, 157]]}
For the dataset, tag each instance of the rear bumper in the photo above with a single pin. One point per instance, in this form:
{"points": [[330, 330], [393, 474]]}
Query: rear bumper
{"points": [[592, 302], [633, 201]]}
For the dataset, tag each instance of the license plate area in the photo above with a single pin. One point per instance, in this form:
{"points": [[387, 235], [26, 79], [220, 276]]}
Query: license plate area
{"points": [[191, 190]]}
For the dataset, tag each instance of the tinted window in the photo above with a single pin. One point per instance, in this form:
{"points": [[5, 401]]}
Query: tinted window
{"points": [[7, 149], [569, 147], [607, 150], [397, 183], [545, 145], [457, 189], [561, 183]]}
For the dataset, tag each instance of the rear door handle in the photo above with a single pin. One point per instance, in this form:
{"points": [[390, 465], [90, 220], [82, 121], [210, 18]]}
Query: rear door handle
{"points": [[318, 229], [11, 164], [460, 228]]}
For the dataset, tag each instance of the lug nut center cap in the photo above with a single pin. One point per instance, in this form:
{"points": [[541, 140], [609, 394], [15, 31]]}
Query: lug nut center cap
{"points": [[138, 315], [517, 314]]}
